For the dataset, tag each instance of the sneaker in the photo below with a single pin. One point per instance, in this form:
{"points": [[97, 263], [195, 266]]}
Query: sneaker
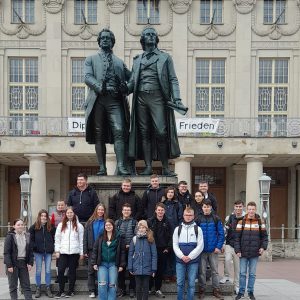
{"points": [[159, 294], [236, 290], [224, 279], [60, 295], [38, 292], [48, 292], [239, 296], [70, 294], [217, 294], [56, 279], [92, 295], [131, 293], [121, 293], [151, 293], [251, 296]]}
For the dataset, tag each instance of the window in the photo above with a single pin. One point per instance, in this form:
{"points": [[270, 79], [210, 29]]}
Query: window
{"points": [[148, 11], [22, 11], [274, 11], [272, 96], [23, 95], [78, 87], [210, 87], [85, 11], [211, 11]]}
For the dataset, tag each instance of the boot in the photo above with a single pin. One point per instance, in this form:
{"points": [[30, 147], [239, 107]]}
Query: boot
{"points": [[38, 292], [147, 158], [101, 157], [163, 154], [217, 294], [48, 292], [201, 293], [120, 155]]}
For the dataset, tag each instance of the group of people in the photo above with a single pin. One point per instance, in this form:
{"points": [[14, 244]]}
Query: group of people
{"points": [[168, 234]]}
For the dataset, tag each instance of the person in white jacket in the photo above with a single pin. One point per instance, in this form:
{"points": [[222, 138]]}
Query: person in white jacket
{"points": [[187, 245], [68, 248]]}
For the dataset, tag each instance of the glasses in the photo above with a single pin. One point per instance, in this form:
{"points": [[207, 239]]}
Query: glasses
{"points": [[188, 215]]}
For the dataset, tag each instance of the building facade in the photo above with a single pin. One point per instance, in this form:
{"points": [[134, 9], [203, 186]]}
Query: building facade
{"points": [[236, 60]]}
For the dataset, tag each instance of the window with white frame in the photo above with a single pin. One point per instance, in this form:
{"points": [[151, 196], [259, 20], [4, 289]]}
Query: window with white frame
{"points": [[273, 96], [85, 11], [23, 95], [22, 11], [211, 11], [210, 87], [78, 87], [148, 11], [274, 11]]}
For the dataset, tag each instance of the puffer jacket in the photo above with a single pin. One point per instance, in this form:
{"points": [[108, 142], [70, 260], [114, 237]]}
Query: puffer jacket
{"points": [[174, 212], [11, 250], [69, 241], [250, 236], [185, 199], [142, 256], [88, 237], [213, 232]]}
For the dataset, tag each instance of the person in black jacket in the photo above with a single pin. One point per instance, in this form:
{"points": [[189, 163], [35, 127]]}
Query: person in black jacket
{"points": [[183, 195], [83, 199], [203, 187], [42, 238], [125, 195], [197, 204], [162, 231], [109, 258], [18, 259], [152, 196]]}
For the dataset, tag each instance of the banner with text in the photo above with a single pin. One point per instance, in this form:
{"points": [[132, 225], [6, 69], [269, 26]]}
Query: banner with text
{"points": [[197, 125], [76, 125]]}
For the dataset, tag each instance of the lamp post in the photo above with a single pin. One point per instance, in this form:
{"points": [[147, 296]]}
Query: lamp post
{"points": [[264, 191], [25, 212]]}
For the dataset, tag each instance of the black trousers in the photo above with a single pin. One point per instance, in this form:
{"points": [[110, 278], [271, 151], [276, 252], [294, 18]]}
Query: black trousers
{"points": [[142, 286], [92, 275], [20, 272], [122, 277], [161, 267], [71, 261]]}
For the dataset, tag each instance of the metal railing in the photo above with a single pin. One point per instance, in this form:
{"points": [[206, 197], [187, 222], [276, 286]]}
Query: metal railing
{"points": [[228, 127], [287, 234]]}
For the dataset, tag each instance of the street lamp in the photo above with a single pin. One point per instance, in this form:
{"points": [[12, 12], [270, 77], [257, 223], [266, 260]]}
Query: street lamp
{"points": [[264, 190], [25, 212]]}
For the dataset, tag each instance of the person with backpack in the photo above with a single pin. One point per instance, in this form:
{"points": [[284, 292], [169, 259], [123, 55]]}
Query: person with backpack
{"points": [[152, 196], [142, 259], [83, 199], [251, 239], [109, 258], [161, 229], [187, 245], [230, 255], [18, 260], [94, 227], [183, 194], [126, 226], [174, 214], [42, 241], [213, 235]]}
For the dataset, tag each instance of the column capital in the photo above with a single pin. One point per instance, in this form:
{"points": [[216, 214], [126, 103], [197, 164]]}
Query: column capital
{"points": [[255, 157], [40, 156], [185, 157]]}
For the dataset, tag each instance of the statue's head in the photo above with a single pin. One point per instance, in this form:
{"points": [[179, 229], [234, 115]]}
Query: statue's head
{"points": [[149, 35], [106, 39]]}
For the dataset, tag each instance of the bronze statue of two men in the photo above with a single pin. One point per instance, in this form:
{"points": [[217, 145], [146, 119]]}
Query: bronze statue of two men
{"points": [[151, 134]]}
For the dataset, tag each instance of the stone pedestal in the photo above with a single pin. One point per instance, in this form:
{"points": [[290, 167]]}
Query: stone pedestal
{"points": [[107, 186]]}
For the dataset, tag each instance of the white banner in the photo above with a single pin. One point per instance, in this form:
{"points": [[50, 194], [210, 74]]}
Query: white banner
{"points": [[76, 125], [197, 125]]}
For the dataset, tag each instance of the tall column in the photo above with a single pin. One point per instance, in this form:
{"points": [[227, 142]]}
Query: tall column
{"points": [[254, 171], [183, 168], [298, 198], [37, 171]]}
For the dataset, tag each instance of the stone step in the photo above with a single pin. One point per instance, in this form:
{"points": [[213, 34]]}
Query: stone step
{"points": [[167, 288]]}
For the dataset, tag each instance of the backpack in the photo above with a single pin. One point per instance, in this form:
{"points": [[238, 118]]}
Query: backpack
{"points": [[195, 229]]}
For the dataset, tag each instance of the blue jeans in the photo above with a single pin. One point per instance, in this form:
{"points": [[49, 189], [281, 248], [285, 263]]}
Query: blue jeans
{"points": [[246, 263], [181, 270], [107, 281], [39, 257]]}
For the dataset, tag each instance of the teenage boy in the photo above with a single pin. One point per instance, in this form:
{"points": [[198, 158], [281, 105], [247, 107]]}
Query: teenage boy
{"points": [[183, 195], [251, 239], [203, 187], [213, 235], [230, 255], [126, 226], [187, 245], [161, 228]]}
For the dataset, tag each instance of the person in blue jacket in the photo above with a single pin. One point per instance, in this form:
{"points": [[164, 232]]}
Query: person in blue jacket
{"points": [[142, 259], [213, 235]]}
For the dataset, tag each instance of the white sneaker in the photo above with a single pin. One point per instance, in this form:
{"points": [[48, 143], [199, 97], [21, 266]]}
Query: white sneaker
{"points": [[159, 294], [236, 290], [92, 295], [224, 279]]}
